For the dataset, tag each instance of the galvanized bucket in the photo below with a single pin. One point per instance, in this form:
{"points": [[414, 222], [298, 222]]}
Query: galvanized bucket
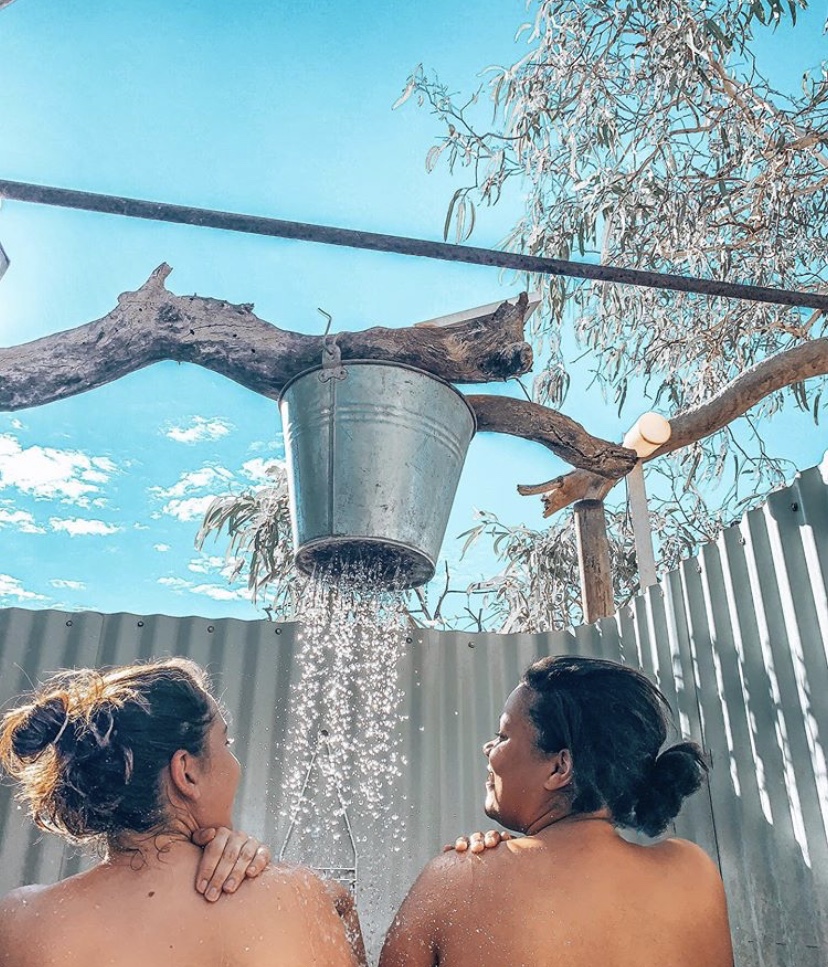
{"points": [[373, 460]]}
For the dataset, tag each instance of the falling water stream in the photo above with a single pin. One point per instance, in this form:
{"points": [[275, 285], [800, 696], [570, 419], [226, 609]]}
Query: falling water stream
{"points": [[342, 757]]}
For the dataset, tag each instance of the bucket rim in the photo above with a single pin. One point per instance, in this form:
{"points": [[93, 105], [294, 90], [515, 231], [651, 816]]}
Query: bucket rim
{"points": [[382, 362], [417, 556]]}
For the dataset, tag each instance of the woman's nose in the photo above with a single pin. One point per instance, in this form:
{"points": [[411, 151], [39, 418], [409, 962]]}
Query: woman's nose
{"points": [[487, 747]]}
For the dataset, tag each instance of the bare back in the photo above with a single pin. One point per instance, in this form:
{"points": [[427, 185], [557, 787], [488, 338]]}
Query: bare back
{"points": [[128, 918], [581, 899]]}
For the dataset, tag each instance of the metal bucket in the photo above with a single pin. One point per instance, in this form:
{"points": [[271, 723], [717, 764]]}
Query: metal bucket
{"points": [[373, 463]]}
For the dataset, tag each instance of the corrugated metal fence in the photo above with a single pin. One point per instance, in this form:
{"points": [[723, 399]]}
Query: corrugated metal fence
{"points": [[736, 638]]}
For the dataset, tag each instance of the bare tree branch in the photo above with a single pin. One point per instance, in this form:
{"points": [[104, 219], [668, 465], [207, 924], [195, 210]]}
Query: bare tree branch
{"points": [[153, 324], [561, 434], [734, 400]]}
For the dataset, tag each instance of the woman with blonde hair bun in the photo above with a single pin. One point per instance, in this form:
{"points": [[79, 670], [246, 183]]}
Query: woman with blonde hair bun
{"points": [[137, 760]]}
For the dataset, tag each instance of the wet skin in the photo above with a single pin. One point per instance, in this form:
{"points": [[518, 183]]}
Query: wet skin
{"points": [[570, 892], [123, 916]]}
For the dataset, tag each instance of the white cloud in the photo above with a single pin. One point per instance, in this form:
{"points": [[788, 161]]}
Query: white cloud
{"points": [[69, 585], [218, 593], [271, 446], [21, 520], [79, 526], [183, 500], [257, 470], [16, 425], [191, 509], [212, 564], [48, 473], [204, 565], [215, 591], [161, 548], [11, 587], [199, 429], [195, 480]]}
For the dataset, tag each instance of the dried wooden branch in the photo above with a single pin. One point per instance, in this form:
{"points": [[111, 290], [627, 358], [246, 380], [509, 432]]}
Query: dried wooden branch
{"points": [[153, 324], [732, 401], [562, 435]]}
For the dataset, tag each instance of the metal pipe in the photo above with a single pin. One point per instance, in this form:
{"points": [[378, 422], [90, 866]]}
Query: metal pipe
{"points": [[372, 241]]}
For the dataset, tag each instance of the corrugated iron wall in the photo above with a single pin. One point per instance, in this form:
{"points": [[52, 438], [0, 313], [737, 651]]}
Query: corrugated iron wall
{"points": [[736, 638]]}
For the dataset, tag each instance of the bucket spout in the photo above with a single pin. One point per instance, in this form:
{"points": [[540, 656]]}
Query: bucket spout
{"points": [[383, 564]]}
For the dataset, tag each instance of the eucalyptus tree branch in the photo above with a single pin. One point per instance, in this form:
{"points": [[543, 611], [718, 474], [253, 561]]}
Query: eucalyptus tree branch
{"points": [[732, 401], [561, 434]]}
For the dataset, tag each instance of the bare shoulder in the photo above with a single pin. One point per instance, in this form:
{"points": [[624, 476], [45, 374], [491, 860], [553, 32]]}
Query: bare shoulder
{"points": [[16, 911], [21, 896], [443, 883], [696, 889], [293, 880], [19, 902], [694, 875], [290, 887], [683, 855], [445, 873], [289, 907]]}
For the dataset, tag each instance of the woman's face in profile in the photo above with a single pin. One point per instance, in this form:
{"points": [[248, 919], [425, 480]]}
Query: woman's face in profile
{"points": [[517, 767], [220, 776]]}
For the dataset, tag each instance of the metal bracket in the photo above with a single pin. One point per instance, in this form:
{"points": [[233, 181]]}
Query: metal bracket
{"points": [[345, 875], [332, 367]]}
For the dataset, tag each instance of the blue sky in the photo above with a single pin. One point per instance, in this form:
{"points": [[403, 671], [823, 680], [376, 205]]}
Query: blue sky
{"points": [[281, 109]]}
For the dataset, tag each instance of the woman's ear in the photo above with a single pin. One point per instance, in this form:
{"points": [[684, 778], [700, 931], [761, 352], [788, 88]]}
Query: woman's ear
{"points": [[560, 771], [184, 775]]}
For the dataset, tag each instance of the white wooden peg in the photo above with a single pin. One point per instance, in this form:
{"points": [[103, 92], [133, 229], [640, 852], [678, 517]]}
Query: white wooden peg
{"points": [[647, 434]]}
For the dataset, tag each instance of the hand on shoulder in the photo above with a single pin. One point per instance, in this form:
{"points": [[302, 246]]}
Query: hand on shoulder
{"points": [[229, 858], [478, 842]]}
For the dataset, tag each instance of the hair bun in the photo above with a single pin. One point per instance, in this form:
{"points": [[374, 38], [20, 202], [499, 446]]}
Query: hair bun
{"points": [[40, 728], [676, 773]]}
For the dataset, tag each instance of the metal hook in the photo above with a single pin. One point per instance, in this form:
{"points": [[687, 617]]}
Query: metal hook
{"points": [[329, 317], [332, 367]]}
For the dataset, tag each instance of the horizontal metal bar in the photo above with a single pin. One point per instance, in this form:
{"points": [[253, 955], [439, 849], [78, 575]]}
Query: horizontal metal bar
{"points": [[372, 241]]}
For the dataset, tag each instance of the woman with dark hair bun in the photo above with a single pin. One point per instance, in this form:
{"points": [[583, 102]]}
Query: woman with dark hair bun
{"points": [[137, 760], [577, 754]]}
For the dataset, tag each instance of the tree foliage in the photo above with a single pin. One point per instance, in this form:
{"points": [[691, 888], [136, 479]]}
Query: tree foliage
{"points": [[643, 133], [257, 523]]}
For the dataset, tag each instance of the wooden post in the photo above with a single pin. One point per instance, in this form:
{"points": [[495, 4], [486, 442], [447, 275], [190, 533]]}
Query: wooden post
{"points": [[597, 597]]}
